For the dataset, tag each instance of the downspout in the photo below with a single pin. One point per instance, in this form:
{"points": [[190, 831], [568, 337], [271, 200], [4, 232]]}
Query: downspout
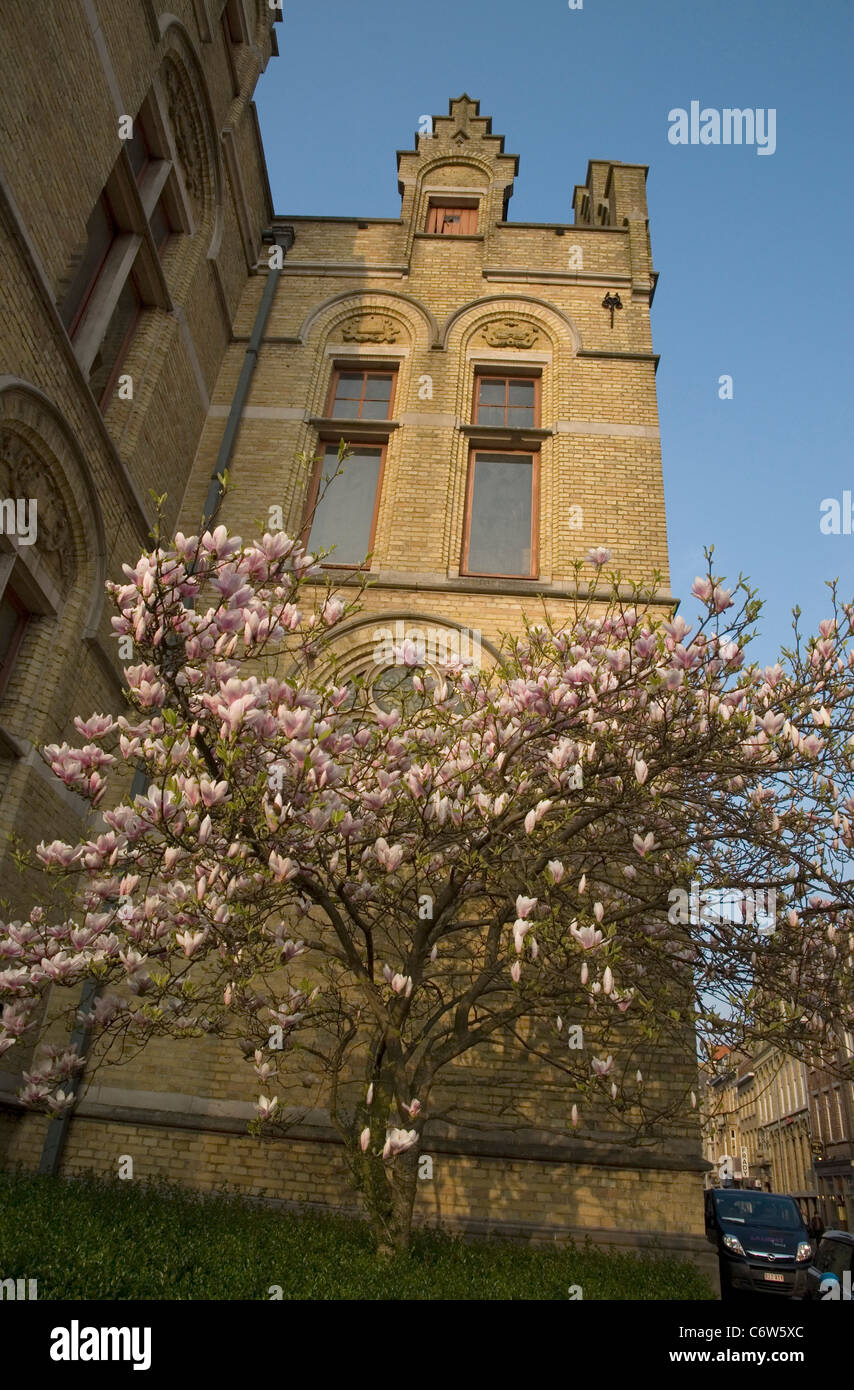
{"points": [[57, 1131], [284, 239]]}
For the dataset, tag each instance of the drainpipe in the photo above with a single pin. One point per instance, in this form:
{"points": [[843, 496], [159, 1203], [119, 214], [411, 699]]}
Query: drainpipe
{"points": [[57, 1131], [284, 239]]}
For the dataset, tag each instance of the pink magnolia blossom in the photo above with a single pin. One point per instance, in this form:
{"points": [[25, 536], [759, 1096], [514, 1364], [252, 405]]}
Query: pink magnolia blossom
{"points": [[644, 844], [398, 1141], [389, 857], [588, 937]]}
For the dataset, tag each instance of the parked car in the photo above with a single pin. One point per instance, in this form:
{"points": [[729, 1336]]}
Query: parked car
{"points": [[762, 1242], [831, 1274]]}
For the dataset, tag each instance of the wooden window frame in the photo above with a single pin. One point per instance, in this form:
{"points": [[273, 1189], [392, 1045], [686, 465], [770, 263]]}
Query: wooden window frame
{"points": [[314, 490], [534, 456], [352, 368], [24, 616], [438, 204], [489, 374]]}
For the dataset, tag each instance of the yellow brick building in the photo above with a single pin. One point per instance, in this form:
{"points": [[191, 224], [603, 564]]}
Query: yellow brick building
{"points": [[496, 384]]}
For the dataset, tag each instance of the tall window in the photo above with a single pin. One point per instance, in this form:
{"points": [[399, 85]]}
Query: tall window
{"points": [[449, 219], [14, 616], [115, 273], [344, 500], [512, 401], [361, 395], [500, 529], [152, 174]]}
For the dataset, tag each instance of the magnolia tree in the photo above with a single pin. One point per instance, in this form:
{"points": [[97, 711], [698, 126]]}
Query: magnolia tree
{"points": [[541, 850]]}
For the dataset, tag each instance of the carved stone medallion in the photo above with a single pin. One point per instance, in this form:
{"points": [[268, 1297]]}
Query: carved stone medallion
{"points": [[371, 328], [510, 333], [24, 475]]}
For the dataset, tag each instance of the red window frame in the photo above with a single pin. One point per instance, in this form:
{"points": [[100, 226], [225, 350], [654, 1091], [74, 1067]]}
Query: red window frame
{"points": [[438, 211], [534, 458], [24, 615], [330, 446], [506, 378], [345, 369]]}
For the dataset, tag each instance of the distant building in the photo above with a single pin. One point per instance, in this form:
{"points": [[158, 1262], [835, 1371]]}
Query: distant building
{"points": [[756, 1122], [831, 1102]]}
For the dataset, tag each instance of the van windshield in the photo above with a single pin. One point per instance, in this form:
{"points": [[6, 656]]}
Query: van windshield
{"points": [[758, 1209]]}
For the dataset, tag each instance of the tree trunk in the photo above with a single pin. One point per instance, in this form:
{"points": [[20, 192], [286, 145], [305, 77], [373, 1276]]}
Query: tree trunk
{"points": [[388, 1186]]}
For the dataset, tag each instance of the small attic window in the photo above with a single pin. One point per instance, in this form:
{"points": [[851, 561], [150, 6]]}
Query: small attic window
{"points": [[451, 219]]}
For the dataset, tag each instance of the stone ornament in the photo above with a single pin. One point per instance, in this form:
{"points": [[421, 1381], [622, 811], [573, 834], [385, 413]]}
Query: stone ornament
{"points": [[188, 145], [24, 475], [371, 328], [510, 333]]}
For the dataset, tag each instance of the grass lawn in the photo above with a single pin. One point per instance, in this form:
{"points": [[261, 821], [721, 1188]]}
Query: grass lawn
{"points": [[89, 1239]]}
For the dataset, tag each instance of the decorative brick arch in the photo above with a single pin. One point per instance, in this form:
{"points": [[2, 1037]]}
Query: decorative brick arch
{"points": [[370, 301], [357, 642], [186, 98], [551, 321], [40, 456]]}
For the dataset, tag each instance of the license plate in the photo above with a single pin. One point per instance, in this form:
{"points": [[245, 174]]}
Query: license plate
{"points": [[776, 1278]]}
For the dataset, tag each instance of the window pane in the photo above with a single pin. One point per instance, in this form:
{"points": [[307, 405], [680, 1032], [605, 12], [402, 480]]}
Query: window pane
{"points": [[521, 392], [137, 148], [374, 410], [491, 415], [13, 619], [100, 231], [378, 388], [492, 392], [501, 508], [520, 415], [349, 386], [10, 619], [345, 512], [160, 225], [116, 339]]}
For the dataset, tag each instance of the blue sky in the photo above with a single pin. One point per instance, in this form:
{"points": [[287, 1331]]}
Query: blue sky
{"points": [[753, 251]]}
